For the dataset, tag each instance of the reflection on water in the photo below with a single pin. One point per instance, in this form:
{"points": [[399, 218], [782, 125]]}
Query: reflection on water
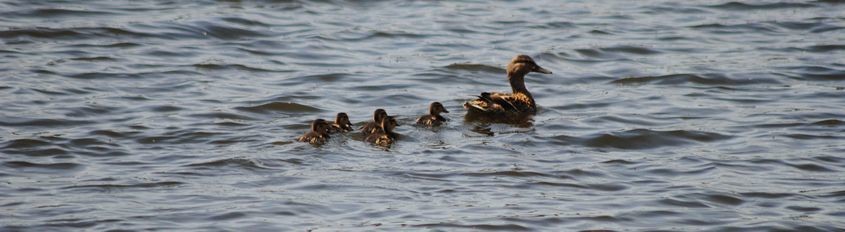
{"points": [[660, 115]]}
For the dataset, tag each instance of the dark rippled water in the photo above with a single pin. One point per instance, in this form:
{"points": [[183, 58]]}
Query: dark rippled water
{"points": [[660, 115]]}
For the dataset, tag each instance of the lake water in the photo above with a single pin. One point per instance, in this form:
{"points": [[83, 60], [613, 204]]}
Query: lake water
{"points": [[660, 115]]}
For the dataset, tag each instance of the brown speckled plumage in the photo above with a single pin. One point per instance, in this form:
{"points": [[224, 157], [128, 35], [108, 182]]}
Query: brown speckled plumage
{"points": [[518, 102], [384, 137], [318, 134], [433, 117], [341, 124], [374, 126]]}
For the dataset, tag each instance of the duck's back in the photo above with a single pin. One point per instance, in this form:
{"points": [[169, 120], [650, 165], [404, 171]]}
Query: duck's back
{"points": [[370, 128], [501, 103], [337, 128], [381, 139], [431, 120], [313, 138]]}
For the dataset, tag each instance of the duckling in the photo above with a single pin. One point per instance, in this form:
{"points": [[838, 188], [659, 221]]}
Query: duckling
{"points": [[373, 127], [318, 135], [433, 118], [341, 124], [518, 102], [384, 136]]}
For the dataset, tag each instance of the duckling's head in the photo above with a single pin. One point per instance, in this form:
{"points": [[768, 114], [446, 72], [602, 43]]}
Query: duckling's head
{"points": [[389, 123], [379, 114], [319, 125], [342, 119], [523, 64], [436, 108]]}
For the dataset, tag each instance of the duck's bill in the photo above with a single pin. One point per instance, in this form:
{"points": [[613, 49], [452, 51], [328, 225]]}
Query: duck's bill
{"points": [[541, 70], [445, 110]]}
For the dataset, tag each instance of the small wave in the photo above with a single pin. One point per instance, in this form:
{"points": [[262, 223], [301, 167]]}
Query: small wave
{"points": [[222, 115], [820, 73], [475, 68], [114, 187], [739, 6], [704, 79], [55, 13], [800, 136], [647, 139], [227, 32], [25, 143], [281, 107], [683, 203], [671, 172], [718, 28], [238, 67], [107, 45], [630, 49], [112, 134], [230, 162], [135, 75], [73, 33], [503, 227], [509, 173], [829, 122], [825, 48], [42, 122], [723, 199], [52, 166], [179, 137], [244, 22]]}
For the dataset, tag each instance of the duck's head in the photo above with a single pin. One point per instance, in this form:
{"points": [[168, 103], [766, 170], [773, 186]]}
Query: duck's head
{"points": [[379, 114], [436, 108], [389, 123], [342, 119], [523, 64], [319, 125]]}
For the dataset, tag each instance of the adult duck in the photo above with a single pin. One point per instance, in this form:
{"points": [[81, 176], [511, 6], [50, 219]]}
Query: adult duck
{"points": [[504, 106]]}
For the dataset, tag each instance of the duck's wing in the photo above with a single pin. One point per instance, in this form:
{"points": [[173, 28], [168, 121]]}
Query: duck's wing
{"points": [[505, 100], [501, 103], [486, 102], [369, 128], [424, 120]]}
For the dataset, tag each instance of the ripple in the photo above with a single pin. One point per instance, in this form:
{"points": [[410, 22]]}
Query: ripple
{"points": [[57, 12], [829, 122], [71, 33], [288, 107], [475, 68], [719, 28], [25, 143], [240, 163], [739, 6], [53, 167], [120, 187], [19, 122], [234, 67], [502, 227], [704, 79], [648, 139], [627, 49]]}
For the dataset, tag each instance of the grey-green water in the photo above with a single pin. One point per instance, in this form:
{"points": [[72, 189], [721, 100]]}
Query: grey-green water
{"points": [[660, 115]]}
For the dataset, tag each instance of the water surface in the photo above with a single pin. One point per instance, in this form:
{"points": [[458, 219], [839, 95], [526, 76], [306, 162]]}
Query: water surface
{"points": [[660, 115]]}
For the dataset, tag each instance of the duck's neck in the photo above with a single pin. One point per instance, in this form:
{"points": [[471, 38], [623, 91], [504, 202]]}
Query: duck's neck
{"points": [[433, 113], [518, 85]]}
